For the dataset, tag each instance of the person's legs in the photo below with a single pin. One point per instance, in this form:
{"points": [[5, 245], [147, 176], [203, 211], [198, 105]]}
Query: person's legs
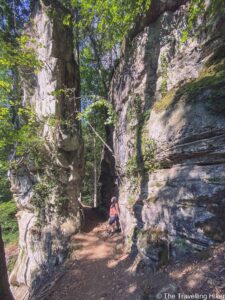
{"points": [[111, 224], [112, 221], [117, 223], [113, 227]]}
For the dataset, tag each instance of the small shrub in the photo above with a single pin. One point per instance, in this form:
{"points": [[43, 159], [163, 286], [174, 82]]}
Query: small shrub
{"points": [[132, 167], [164, 67], [145, 164], [134, 109], [149, 155], [41, 192], [8, 222]]}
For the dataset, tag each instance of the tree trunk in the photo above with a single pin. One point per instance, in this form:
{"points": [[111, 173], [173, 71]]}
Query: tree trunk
{"points": [[95, 174], [5, 293]]}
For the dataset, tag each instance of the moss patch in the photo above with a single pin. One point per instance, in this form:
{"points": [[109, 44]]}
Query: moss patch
{"points": [[165, 102]]}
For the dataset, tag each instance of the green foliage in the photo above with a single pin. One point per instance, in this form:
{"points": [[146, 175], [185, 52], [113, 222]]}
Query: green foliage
{"points": [[100, 28], [133, 168], [93, 147], [67, 20], [48, 191], [164, 67], [134, 110], [42, 190], [87, 197], [17, 53], [28, 136], [110, 19], [4, 186], [163, 87], [143, 160], [99, 109], [198, 8], [8, 222], [143, 165], [94, 119], [149, 154]]}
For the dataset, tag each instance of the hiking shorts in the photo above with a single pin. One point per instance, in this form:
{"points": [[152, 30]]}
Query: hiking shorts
{"points": [[113, 219]]}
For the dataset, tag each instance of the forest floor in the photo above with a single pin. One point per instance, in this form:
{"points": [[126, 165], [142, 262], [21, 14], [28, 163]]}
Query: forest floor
{"points": [[101, 268]]}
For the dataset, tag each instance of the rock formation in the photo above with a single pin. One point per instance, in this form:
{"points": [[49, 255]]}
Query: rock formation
{"points": [[169, 140], [46, 185]]}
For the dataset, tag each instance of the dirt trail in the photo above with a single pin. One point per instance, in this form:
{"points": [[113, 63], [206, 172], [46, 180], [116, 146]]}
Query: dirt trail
{"points": [[100, 267]]}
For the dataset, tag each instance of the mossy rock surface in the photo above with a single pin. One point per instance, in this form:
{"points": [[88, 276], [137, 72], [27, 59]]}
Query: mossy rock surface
{"points": [[165, 102], [208, 87]]}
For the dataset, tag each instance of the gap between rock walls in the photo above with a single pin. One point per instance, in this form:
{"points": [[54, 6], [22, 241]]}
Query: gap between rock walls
{"points": [[152, 135]]}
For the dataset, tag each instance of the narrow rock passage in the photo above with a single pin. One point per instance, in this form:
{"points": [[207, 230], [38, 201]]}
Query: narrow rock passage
{"points": [[100, 267]]}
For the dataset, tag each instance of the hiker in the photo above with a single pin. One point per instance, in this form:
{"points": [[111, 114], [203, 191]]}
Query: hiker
{"points": [[114, 213]]}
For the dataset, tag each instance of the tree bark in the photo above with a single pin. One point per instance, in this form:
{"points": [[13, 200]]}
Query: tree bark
{"points": [[95, 174], [5, 293]]}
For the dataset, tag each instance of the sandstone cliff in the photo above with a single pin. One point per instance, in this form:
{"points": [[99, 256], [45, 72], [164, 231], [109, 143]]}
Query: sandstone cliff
{"points": [[169, 139], [46, 185]]}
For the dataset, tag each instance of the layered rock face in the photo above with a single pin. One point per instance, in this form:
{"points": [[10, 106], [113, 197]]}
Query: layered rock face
{"points": [[46, 185], [169, 141]]}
